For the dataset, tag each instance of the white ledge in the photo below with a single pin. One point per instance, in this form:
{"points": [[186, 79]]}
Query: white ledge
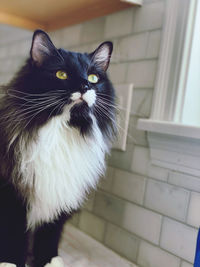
{"points": [[167, 127], [134, 2], [173, 146]]}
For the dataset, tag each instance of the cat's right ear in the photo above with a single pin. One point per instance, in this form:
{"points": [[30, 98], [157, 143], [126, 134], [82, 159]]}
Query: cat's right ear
{"points": [[42, 47]]}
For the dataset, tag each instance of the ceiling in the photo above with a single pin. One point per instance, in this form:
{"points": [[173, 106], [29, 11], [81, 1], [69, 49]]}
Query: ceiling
{"points": [[51, 14]]}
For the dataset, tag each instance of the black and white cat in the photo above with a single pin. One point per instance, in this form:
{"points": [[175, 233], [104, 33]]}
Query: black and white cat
{"points": [[57, 122]]}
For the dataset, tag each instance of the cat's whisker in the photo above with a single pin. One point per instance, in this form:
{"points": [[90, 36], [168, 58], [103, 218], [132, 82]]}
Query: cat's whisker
{"points": [[56, 107], [103, 113], [39, 111], [60, 108], [100, 101], [27, 105], [110, 100], [37, 104], [109, 115], [40, 94], [107, 100], [32, 100], [107, 96], [23, 115], [104, 106], [117, 106], [30, 109]]}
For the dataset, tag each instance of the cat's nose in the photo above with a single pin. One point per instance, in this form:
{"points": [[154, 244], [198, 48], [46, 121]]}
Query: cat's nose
{"points": [[84, 88]]}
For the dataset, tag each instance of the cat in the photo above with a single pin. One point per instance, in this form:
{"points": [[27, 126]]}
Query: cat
{"points": [[57, 123]]}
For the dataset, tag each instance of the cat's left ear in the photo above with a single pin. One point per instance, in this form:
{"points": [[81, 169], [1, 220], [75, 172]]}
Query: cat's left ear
{"points": [[42, 47], [101, 56]]}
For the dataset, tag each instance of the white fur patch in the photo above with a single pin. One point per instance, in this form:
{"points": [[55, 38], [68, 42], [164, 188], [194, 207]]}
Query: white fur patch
{"points": [[62, 166], [5, 264], [90, 97], [55, 262], [75, 96]]}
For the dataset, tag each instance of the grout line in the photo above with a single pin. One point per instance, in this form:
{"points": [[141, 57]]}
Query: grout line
{"points": [[161, 229], [187, 207], [145, 208], [138, 250]]}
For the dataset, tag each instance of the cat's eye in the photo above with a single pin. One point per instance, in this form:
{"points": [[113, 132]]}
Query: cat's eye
{"points": [[93, 78], [60, 74]]}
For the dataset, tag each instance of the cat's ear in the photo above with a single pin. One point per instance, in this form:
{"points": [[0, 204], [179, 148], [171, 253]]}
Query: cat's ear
{"points": [[42, 47], [101, 56]]}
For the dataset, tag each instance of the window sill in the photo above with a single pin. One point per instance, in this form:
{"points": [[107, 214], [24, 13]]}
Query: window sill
{"points": [[173, 146]]}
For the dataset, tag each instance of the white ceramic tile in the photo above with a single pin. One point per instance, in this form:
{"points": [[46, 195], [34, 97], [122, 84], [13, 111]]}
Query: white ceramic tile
{"points": [[70, 36], [124, 94], [136, 136], [135, 220], [92, 225], [167, 199], [140, 161], [92, 30], [141, 102], [24, 48], [184, 180], [142, 73], [117, 72], [122, 242], [129, 186], [194, 210], [119, 23], [56, 37], [179, 239], [149, 17], [109, 207], [14, 49], [3, 51], [89, 202], [133, 47], [10, 34], [106, 182], [157, 172], [153, 47], [151, 256], [186, 264]]}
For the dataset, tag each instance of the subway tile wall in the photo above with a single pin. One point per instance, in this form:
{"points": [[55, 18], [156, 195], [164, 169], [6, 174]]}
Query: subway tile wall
{"points": [[147, 214]]}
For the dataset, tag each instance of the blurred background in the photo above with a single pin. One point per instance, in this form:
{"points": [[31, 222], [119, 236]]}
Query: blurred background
{"points": [[146, 214]]}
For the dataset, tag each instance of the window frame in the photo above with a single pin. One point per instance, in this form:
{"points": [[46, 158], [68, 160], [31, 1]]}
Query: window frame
{"points": [[172, 144]]}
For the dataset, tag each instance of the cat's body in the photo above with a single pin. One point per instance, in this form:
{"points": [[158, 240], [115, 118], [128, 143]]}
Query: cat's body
{"points": [[57, 120]]}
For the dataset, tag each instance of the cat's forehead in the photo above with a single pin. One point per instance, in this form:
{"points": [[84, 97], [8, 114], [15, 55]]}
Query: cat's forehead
{"points": [[75, 59]]}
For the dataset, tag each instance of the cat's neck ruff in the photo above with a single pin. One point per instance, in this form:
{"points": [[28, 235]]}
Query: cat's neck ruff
{"points": [[61, 166]]}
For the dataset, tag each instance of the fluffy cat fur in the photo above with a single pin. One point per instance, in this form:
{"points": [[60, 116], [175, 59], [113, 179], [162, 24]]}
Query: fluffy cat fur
{"points": [[55, 134]]}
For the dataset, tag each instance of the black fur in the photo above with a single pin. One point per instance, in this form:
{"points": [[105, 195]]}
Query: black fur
{"points": [[23, 111]]}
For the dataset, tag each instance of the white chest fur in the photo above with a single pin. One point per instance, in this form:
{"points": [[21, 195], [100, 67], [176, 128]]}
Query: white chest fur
{"points": [[62, 166]]}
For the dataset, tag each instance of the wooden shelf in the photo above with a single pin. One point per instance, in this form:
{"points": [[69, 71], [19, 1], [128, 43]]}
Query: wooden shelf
{"points": [[51, 15]]}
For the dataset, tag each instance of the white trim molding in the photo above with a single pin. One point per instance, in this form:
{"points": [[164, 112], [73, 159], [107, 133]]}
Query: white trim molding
{"points": [[172, 144], [134, 2], [170, 60]]}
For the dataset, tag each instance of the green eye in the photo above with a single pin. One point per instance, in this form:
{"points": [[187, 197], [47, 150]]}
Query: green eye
{"points": [[92, 78], [61, 75]]}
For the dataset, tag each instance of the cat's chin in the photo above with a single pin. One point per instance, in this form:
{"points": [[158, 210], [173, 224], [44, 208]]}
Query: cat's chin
{"points": [[79, 102], [80, 117], [79, 108]]}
